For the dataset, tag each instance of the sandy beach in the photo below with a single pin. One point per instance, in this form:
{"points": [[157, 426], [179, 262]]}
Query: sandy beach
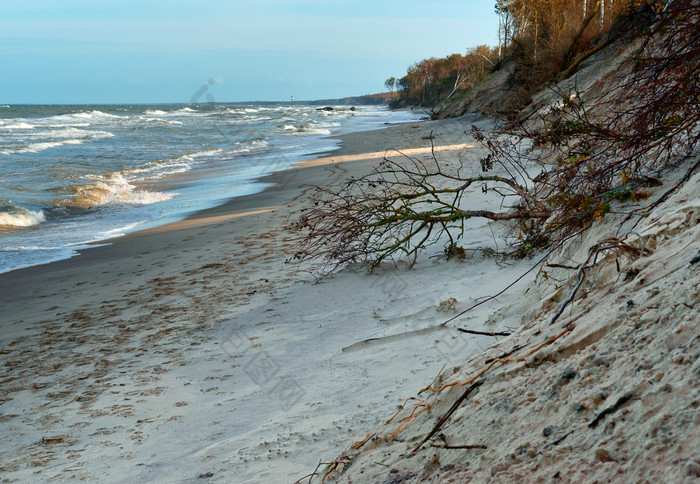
{"points": [[216, 269], [196, 349]]}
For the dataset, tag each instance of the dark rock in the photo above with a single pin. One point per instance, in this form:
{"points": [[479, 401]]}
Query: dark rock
{"points": [[353, 108], [547, 431], [568, 375], [693, 469], [631, 274]]}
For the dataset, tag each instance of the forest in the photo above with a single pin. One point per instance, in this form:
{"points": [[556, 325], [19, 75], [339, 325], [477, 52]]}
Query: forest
{"points": [[547, 39]]}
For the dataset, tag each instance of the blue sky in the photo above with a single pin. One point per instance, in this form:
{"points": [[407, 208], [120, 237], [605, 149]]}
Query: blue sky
{"points": [[128, 51]]}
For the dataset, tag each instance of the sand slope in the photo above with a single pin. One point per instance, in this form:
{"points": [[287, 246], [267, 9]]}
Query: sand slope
{"points": [[609, 393]]}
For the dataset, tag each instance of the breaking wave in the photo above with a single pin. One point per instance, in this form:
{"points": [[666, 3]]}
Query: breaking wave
{"points": [[56, 138], [91, 115], [113, 189], [21, 217], [38, 147], [308, 128], [17, 126]]}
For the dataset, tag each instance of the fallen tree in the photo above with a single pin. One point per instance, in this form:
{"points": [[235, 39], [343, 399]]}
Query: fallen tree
{"points": [[562, 171], [399, 208]]}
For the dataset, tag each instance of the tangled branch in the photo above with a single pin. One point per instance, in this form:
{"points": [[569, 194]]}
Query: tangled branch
{"points": [[398, 209], [563, 171]]}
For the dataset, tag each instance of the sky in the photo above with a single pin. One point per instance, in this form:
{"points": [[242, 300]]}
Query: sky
{"points": [[158, 51]]}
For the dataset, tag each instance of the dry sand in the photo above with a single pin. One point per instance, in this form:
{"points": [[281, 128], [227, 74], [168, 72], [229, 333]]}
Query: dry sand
{"points": [[193, 350], [608, 393]]}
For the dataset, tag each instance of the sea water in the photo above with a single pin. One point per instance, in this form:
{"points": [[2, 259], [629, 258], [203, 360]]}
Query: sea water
{"points": [[74, 175]]}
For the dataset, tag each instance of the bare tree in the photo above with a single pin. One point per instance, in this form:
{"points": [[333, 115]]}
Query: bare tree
{"points": [[398, 209]]}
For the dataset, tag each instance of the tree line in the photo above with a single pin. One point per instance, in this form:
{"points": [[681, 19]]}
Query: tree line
{"points": [[431, 81], [546, 36], [543, 37]]}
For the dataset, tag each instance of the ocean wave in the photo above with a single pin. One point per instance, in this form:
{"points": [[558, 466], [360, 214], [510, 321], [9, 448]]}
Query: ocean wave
{"points": [[162, 168], [21, 217], [308, 128], [164, 121], [200, 154], [54, 139], [65, 125], [177, 113], [72, 132], [27, 248], [315, 131], [324, 125], [17, 126], [159, 169], [91, 115], [113, 189], [244, 147], [38, 147]]}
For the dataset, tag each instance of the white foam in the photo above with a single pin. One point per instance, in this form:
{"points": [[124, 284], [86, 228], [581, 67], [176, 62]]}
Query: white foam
{"points": [[143, 197], [156, 112], [21, 217], [71, 132], [66, 135], [73, 124], [200, 154], [92, 115], [113, 189], [316, 131], [162, 121], [158, 169], [18, 126], [328, 125], [38, 147], [248, 146]]}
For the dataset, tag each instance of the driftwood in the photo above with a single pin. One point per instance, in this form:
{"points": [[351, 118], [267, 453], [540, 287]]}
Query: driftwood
{"points": [[445, 446], [449, 413], [483, 333], [611, 409], [591, 260], [570, 70]]}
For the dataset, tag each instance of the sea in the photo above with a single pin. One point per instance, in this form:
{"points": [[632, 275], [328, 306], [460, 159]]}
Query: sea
{"points": [[73, 177]]}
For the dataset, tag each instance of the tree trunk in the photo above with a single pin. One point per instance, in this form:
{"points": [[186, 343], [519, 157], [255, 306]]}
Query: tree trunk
{"points": [[500, 24], [578, 35]]}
